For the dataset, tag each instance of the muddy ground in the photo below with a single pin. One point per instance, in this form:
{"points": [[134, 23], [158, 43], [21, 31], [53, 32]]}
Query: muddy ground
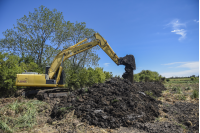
{"points": [[117, 106], [111, 104], [118, 103]]}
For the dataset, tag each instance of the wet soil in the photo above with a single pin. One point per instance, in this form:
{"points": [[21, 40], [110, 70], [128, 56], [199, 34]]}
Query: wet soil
{"points": [[117, 103], [184, 113], [111, 104], [129, 62]]}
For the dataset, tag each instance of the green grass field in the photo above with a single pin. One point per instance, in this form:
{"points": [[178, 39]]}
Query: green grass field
{"points": [[183, 80]]}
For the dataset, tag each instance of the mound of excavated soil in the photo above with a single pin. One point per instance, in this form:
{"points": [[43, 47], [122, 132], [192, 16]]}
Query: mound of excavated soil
{"points": [[155, 87], [115, 103], [185, 113]]}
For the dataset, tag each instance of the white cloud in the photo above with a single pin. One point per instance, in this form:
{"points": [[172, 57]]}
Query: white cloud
{"points": [[181, 32], [173, 63], [106, 64], [176, 28], [196, 21], [192, 66]]}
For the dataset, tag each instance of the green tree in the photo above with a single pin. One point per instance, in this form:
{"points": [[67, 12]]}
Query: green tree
{"points": [[108, 75], [100, 74], [87, 58], [26, 59], [83, 75], [32, 32], [136, 77], [147, 75], [93, 78]]}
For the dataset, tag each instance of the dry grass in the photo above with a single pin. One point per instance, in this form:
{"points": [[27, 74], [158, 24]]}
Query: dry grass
{"points": [[19, 114], [180, 92]]}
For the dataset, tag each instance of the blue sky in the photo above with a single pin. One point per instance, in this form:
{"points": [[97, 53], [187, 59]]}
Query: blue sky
{"points": [[163, 35]]}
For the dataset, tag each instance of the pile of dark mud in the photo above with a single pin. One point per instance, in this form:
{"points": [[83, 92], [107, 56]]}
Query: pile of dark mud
{"points": [[185, 113], [129, 62], [112, 104]]}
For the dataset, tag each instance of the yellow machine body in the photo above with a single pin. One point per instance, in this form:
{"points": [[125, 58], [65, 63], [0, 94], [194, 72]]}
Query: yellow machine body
{"points": [[32, 80]]}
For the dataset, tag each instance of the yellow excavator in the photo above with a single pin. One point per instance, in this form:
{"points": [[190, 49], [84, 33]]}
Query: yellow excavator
{"points": [[54, 75]]}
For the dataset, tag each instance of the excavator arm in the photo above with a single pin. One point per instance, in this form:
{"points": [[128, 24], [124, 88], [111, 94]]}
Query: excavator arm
{"points": [[75, 49]]}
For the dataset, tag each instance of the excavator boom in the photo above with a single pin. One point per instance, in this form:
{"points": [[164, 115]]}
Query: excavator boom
{"points": [[75, 49]]}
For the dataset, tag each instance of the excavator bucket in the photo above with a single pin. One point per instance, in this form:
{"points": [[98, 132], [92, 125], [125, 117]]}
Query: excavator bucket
{"points": [[129, 62]]}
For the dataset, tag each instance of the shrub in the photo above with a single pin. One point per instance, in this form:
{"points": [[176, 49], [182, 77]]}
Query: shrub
{"points": [[147, 75], [136, 78], [100, 75], [188, 88], [108, 75], [82, 77], [177, 89], [163, 79], [192, 78], [195, 94], [93, 78], [181, 97], [167, 80], [10, 65]]}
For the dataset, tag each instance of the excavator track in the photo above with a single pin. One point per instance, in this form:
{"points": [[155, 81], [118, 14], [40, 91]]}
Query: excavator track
{"points": [[45, 93]]}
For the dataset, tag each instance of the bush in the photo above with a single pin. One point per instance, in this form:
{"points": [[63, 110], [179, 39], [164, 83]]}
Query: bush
{"points": [[10, 65], [192, 78], [167, 80], [108, 75], [163, 79], [82, 77], [136, 78], [177, 89], [181, 97], [188, 88], [195, 94], [100, 75], [92, 77], [147, 75]]}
